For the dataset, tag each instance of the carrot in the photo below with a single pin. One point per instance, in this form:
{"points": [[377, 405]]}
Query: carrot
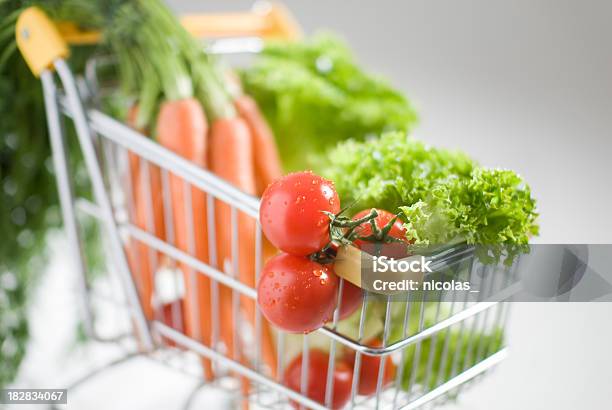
{"points": [[231, 158], [266, 158], [268, 168], [148, 216], [182, 128]]}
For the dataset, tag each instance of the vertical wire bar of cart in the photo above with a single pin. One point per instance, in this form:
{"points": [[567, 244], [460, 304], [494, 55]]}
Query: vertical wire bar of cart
{"points": [[91, 163], [258, 327], [108, 170], [214, 285], [501, 317], [433, 342], [444, 355], [329, 383], [483, 339], [145, 181], [66, 196], [383, 358], [511, 277], [111, 158], [280, 350], [191, 249], [304, 374], [417, 348], [176, 312], [473, 264], [473, 322], [467, 360], [131, 200], [357, 365], [400, 373], [235, 274], [496, 314]]}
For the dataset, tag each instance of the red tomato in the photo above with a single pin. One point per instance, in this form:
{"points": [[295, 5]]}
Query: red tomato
{"points": [[297, 294], [291, 212], [352, 297], [395, 250], [370, 366], [318, 362], [172, 314]]}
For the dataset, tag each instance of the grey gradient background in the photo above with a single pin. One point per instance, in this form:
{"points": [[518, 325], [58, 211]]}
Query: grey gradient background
{"points": [[518, 84]]}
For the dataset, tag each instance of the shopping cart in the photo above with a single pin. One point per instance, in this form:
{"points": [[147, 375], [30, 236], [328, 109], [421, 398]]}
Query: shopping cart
{"points": [[437, 346]]}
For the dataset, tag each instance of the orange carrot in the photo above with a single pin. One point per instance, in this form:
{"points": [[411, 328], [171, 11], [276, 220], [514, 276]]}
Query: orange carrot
{"points": [[266, 158], [148, 216], [182, 128], [268, 168], [231, 158]]}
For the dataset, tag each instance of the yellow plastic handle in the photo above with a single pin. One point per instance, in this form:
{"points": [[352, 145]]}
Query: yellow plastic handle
{"points": [[74, 35], [39, 40]]}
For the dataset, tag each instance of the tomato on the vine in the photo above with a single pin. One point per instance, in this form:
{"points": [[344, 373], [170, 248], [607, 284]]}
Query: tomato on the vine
{"points": [[370, 367], [318, 362], [292, 212], [297, 294], [397, 231]]}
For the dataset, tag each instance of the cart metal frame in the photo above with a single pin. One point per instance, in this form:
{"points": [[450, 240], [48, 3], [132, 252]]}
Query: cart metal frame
{"points": [[105, 143]]}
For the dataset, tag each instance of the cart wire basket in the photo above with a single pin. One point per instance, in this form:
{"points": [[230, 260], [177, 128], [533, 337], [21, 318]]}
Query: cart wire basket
{"points": [[156, 282]]}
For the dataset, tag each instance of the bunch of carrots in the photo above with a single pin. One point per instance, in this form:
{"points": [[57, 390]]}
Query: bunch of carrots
{"points": [[182, 100]]}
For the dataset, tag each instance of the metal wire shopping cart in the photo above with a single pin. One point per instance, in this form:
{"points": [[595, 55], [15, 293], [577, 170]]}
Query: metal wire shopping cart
{"points": [[437, 347]]}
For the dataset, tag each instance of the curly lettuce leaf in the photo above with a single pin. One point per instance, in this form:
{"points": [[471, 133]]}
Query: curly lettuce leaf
{"points": [[443, 196], [391, 171], [491, 207]]}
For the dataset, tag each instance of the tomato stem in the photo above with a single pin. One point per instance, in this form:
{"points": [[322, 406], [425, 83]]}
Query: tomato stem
{"points": [[342, 230]]}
